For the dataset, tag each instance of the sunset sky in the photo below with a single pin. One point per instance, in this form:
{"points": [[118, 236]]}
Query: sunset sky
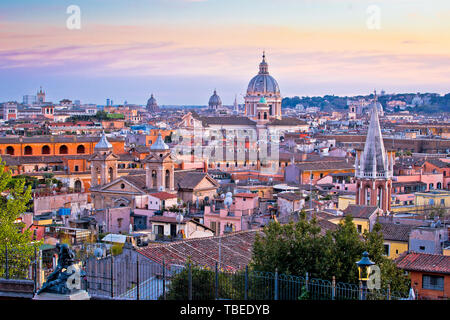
{"points": [[181, 50]]}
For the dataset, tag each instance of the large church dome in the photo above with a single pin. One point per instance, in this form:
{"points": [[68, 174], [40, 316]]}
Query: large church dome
{"points": [[215, 101], [152, 105], [263, 82]]}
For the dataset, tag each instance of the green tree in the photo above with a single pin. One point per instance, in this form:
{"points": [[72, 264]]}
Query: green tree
{"points": [[14, 200], [297, 248], [390, 274], [293, 248], [347, 248], [203, 284]]}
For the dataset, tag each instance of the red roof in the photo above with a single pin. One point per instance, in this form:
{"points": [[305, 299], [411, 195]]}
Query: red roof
{"points": [[246, 195], [425, 262], [163, 195], [235, 250]]}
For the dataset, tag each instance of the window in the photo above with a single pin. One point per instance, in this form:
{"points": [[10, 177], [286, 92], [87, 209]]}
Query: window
{"points": [[386, 249], [45, 150], [213, 226], [433, 282], [80, 149], [122, 186], [63, 149], [359, 227], [10, 150], [422, 248], [76, 168], [28, 150]]}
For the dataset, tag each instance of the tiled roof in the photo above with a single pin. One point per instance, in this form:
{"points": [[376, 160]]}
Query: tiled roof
{"points": [[425, 262], [438, 163], [165, 219], [291, 196], [324, 224], [326, 165], [235, 250], [16, 160], [245, 195], [56, 139], [163, 195], [396, 232], [358, 211], [233, 120], [287, 122], [190, 179], [137, 180]]}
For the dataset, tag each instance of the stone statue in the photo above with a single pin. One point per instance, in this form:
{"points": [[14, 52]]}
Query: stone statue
{"points": [[57, 281]]}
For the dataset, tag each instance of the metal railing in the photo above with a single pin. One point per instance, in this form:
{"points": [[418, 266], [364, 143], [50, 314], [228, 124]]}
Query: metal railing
{"points": [[141, 279], [134, 277], [15, 263]]}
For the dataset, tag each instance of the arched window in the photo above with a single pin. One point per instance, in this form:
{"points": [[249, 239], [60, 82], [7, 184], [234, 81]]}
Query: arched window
{"points": [[45, 149], [265, 115], [431, 186], [111, 174], [368, 195], [380, 197], [438, 185], [28, 150], [154, 178], [77, 186], [10, 150], [167, 179], [80, 149], [63, 149]]}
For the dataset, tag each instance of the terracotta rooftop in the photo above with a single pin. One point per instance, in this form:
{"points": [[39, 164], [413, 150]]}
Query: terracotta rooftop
{"points": [[235, 248], [246, 195], [163, 195], [425, 262], [326, 165]]}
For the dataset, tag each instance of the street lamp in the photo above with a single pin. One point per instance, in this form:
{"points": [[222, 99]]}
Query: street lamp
{"points": [[364, 271]]}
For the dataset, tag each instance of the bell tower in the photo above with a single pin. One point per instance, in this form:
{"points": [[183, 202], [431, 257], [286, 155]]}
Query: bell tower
{"points": [[103, 163], [373, 168], [159, 168]]}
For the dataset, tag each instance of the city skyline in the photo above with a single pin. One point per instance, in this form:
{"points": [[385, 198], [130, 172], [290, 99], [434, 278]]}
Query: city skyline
{"points": [[182, 50]]}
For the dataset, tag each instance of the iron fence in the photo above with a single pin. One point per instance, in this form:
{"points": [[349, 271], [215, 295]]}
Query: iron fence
{"points": [[133, 277], [19, 262], [142, 279]]}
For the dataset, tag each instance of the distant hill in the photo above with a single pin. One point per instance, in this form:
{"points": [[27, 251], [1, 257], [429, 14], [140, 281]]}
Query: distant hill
{"points": [[418, 103]]}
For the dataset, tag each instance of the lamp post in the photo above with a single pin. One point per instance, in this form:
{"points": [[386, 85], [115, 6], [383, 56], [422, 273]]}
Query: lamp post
{"points": [[364, 271]]}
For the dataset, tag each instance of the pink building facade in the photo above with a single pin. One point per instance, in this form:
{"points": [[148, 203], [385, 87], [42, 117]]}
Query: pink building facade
{"points": [[224, 220]]}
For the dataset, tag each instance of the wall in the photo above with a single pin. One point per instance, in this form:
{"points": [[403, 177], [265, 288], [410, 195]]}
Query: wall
{"points": [[46, 204], [416, 283], [396, 248], [430, 238]]}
